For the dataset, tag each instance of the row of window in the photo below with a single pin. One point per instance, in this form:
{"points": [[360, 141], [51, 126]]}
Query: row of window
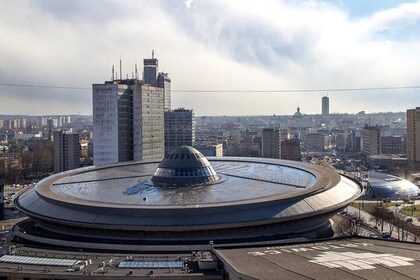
{"points": [[185, 172]]}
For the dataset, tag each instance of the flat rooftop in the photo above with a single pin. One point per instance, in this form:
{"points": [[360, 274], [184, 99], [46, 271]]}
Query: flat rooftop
{"points": [[349, 258], [115, 265]]}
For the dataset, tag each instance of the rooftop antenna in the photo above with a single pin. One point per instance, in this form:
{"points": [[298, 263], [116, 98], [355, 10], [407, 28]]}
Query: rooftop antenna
{"points": [[120, 69], [135, 69], [153, 54], [112, 73]]}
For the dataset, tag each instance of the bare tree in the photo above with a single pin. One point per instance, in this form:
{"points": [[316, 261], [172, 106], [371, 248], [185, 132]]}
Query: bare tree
{"points": [[349, 227]]}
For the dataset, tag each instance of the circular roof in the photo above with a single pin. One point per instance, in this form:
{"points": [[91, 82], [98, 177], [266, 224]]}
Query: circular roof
{"points": [[184, 166], [252, 190]]}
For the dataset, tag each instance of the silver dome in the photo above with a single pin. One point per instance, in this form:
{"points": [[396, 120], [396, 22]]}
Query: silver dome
{"points": [[184, 166]]}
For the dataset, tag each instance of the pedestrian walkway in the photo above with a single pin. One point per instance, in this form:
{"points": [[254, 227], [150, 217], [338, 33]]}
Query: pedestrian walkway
{"points": [[369, 219]]}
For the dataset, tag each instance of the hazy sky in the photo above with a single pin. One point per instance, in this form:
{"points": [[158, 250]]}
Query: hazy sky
{"points": [[213, 45]]}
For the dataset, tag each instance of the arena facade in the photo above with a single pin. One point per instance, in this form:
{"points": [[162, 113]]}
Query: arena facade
{"points": [[185, 199]]}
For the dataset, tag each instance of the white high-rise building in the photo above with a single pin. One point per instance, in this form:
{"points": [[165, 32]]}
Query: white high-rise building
{"points": [[127, 121], [128, 117]]}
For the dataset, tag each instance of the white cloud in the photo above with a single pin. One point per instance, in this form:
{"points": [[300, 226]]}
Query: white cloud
{"points": [[220, 45]]}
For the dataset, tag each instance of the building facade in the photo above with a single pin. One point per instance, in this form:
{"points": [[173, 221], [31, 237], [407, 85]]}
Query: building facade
{"points": [[413, 136], [150, 71], [325, 106], [290, 149], [165, 82], [317, 142], [210, 150], [127, 121], [66, 151], [179, 129], [391, 145], [128, 117], [371, 140], [270, 143]]}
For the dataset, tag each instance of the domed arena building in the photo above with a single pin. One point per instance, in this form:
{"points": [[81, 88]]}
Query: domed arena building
{"points": [[183, 199]]}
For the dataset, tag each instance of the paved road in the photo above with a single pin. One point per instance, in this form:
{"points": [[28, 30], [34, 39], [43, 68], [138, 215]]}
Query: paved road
{"points": [[369, 219]]}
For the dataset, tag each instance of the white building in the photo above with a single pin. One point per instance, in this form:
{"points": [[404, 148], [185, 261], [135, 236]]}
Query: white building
{"points": [[210, 150], [127, 121]]}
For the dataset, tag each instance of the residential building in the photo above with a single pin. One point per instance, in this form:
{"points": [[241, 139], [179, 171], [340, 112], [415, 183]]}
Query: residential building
{"points": [[210, 150], [325, 106], [371, 140], [179, 129], [270, 143], [236, 148], [66, 151], [413, 136], [290, 149], [391, 145], [317, 142]]}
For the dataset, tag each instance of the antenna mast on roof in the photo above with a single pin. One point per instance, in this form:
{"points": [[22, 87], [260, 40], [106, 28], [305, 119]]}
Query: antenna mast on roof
{"points": [[135, 69], [112, 73], [120, 69], [153, 54]]}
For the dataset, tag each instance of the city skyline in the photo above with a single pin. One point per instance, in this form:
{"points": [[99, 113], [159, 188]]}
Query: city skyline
{"points": [[213, 45]]}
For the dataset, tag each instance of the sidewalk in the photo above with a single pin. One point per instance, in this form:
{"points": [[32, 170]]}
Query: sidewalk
{"points": [[369, 219]]}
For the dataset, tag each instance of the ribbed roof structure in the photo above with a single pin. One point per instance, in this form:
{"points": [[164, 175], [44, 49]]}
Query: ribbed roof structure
{"points": [[184, 166]]}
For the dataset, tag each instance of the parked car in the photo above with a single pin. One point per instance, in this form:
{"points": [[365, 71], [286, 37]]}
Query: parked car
{"points": [[386, 235]]}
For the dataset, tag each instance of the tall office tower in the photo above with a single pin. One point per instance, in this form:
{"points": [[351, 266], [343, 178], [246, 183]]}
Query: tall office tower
{"points": [[66, 151], [271, 143], [413, 136], [162, 80], [179, 129], [150, 71], [325, 106], [127, 121], [371, 140], [290, 149], [165, 82]]}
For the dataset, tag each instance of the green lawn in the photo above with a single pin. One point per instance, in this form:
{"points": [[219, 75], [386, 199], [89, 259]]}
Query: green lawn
{"points": [[371, 203], [412, 209]]}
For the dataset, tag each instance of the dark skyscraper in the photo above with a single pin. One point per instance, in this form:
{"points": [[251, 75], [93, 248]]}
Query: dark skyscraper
{"points": [[325, 106], [150, 71]]}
